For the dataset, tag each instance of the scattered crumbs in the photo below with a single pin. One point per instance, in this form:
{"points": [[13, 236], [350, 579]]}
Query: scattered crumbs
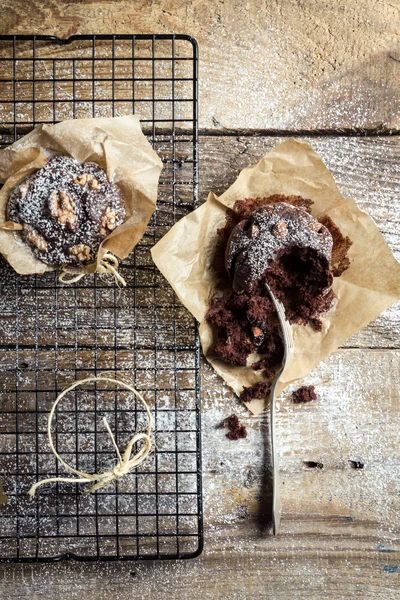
{"points": [[259, 390], [356, 464], [236, 430], [306, 393]]}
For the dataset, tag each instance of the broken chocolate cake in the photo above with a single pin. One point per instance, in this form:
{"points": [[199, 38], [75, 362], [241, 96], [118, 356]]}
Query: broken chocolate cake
{"points": [[66, 210], [274, 241]]}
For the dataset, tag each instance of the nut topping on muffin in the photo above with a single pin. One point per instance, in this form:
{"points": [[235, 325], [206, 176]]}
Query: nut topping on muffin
{"points": [[81, 252], [66, 210], [62, 207], [34, 238]]}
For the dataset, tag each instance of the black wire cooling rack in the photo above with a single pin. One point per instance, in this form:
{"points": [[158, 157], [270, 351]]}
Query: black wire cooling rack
{"points": [[51, 335]]}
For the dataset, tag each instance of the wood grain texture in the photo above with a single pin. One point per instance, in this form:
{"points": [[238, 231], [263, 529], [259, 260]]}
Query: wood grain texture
{"points": [[285, 64], [340, 530]]}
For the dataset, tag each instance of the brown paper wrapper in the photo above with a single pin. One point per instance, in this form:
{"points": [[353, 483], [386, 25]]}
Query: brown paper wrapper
{"points": [[369, 286], [118, 146]]}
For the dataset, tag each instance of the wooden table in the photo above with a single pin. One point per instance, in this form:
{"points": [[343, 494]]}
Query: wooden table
{"points": [[328, 72]]}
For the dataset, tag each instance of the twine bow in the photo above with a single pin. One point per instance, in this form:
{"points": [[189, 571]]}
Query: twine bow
{"points": [[125, 464], [108, 264]]}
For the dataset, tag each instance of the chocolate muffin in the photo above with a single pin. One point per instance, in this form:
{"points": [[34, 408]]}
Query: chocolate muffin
{"points": [[272, 240], [286, 247], [66, 210]]}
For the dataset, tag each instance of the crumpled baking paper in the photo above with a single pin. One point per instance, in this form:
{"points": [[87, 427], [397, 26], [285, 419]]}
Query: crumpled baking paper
{"points": [[371, 284], [118, 146]]}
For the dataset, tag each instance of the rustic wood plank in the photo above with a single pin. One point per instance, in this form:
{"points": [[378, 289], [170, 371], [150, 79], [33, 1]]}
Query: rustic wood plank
{"points": [[286, 65], [365, 169], [235, 575]]}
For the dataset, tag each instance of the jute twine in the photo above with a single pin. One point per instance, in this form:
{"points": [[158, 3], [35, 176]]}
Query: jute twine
{"points": [[125, 464], [108, 264]]}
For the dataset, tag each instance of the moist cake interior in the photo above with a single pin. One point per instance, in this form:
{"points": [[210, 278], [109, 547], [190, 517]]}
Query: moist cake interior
{"points": [[241, 312]]}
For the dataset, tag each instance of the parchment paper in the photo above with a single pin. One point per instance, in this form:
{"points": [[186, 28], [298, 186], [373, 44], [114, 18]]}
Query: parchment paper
{"points": [[118, 146], [369, 286]]}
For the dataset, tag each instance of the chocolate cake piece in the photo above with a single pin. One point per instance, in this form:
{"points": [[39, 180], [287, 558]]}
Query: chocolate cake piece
{"points": [[281, 234], [287, 248], [242, 330], [66, 210], [276, 241], [244, 208], [258, 391], [340, 261], [306, 393]]}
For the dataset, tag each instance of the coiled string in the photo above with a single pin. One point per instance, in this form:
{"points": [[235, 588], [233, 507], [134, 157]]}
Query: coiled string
{"points": [[126, 462]]}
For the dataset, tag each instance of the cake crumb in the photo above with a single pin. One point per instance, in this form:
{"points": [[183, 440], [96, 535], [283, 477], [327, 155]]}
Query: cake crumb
{"points": [[244, 208], [356, 464], [306, 393], [257, 391], [236, 430]]}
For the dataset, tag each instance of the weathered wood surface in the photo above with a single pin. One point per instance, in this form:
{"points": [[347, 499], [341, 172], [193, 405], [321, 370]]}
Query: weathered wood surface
{"points": [[340, 526], [286, 64]]}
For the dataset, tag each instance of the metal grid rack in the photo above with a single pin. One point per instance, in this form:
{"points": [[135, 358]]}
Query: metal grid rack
{"points": [[51, 335]]}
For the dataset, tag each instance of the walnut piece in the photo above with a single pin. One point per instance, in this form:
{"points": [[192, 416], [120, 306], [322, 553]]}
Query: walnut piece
{"points": [[253, 231], [87, 178], [24, 190], [35, 238], [81, 179], [81, 252], [62, 207], [108, 221], [94, 184], [280, 229], [53, 204]]}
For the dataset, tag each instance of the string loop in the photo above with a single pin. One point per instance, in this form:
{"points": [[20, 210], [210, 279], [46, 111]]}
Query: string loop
{"points": [[128, 461]]}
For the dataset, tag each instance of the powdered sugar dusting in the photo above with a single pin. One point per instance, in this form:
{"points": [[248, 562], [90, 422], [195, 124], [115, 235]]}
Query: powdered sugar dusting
{"points": [[64, 207], [298, 230]]}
